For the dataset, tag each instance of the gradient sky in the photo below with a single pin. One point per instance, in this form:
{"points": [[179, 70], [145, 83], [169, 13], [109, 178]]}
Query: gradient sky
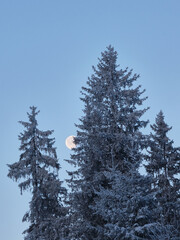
{"points": [[47, 49]]}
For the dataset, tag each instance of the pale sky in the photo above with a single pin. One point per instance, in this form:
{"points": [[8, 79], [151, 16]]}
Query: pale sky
{"points": [[47, 49]]}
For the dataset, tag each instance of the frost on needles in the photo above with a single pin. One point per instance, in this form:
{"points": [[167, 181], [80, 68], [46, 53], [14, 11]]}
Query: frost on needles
{"points": [[108, 198], [37, 170]]}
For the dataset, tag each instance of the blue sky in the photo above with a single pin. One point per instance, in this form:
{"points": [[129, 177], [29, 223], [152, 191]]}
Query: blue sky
{"points": [[47, 49]]}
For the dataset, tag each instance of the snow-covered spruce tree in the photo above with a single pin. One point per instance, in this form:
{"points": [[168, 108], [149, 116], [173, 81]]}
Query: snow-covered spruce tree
{"points": [[108, 136], [37, 169], [163, 164]]}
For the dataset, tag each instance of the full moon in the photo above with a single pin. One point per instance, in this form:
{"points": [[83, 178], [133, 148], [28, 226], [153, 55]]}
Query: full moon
{"points": [[70, 142]]}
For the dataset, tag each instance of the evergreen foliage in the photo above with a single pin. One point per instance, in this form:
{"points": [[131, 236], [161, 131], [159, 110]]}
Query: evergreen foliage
{"points": [[109, 136], [109, 198], [37, 169], [164, 168]]}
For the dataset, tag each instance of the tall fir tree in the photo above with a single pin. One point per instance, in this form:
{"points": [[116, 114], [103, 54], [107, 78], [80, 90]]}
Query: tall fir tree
{"points": [[37, 169], [109, 136], [163, 164]]}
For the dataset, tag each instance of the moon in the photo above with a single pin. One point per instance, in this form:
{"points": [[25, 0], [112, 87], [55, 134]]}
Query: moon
{"points": [[70, 142]]}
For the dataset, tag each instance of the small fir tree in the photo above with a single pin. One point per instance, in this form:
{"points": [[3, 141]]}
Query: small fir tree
{"points": [[37, 169], [163, 164]]}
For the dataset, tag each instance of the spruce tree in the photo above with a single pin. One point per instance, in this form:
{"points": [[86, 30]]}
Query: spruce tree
{"points": [[163, 164], [37, 170], [108, 136]]}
